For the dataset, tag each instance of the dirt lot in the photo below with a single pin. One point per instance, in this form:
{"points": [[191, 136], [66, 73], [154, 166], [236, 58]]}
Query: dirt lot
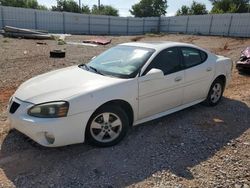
{"points": [[197, 147]]}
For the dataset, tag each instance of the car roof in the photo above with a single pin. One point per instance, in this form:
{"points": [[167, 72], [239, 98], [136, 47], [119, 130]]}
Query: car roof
{"points": [[159, 45]]}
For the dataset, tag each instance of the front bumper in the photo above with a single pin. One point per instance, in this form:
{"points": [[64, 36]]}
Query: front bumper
{"points": [[242, 66], [67, 130]]}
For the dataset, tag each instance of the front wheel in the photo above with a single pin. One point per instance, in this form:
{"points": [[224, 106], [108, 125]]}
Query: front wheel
{"points": [[215, 93], [107, 126]]}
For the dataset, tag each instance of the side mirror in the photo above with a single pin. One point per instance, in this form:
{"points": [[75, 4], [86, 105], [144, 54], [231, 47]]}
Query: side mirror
{"points": [[153, 74]]}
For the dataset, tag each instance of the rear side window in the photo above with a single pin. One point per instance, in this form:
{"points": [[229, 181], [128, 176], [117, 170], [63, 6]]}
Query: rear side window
{"points": [[193, 57], [167, 60]]}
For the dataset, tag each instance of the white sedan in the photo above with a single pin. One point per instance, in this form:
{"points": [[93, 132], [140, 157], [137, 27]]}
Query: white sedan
{"points": [[126, 85]]}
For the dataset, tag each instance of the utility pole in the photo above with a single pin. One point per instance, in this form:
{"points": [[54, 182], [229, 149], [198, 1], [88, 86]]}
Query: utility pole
{"points": [[99, 4], [248, 5], [80, 5]]}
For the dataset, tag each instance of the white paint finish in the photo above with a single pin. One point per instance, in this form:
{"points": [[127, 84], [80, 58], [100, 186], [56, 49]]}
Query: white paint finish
{"points": [[224, 66], [150, 96], [157, 95], [197, 80], [170, 111], [69, 130], [67, 84]]}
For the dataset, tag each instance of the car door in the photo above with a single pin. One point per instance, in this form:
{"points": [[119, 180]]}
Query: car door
{"points": [[161, 94], [198, 74]]}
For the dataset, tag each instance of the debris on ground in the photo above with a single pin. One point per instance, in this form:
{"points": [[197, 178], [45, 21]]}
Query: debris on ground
{"points": [[60, 38], [41, 43], [57, 53], [81, 44], [137, 38], [100, 41], [61, 42], [244, 63], [16, 32]]}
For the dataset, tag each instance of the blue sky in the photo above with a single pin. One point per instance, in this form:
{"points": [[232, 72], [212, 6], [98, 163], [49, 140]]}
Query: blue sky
{"points": [[125, 5]]}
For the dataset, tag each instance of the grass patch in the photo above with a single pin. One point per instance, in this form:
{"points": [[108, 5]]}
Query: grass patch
{"points": [[61, 42], [5, 41], [137, 38], [155, 34]]}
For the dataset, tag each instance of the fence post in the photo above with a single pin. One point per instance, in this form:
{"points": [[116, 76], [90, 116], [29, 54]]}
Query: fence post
{"points": [[64, 29], [210, 25], [127, 25], [2, 14], [187, 24], [89, 23], [109, 25], [159, 24], [35, 19], [229, 27], [168, 25], [143, 26]]}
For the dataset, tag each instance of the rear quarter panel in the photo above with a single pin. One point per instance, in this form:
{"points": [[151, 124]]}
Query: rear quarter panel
{"points": [[223, 66]]}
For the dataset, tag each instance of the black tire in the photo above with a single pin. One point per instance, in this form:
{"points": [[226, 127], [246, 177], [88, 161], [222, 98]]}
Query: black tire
{"points": [[209, 101], [113, 111], [57, 54]]}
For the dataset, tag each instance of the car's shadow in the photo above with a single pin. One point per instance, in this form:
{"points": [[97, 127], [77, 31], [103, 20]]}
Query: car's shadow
{"points": [[173, 143]]}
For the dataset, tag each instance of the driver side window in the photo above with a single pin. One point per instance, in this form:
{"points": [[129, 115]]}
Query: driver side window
{"points": [[167, 60]]}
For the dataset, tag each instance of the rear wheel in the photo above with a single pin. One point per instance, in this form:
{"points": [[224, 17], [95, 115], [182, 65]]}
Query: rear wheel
{"points": [[215, 93], [107, 126]]}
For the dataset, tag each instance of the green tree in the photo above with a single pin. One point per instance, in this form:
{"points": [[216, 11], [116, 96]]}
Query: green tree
{"points": [[198, 9], [149, 8], [67, 6], [72, 6], [42, 7], [230, 6], [194, 9], [13, 3], [86, 9], [105, 10], [22, 3], [184, 10]]}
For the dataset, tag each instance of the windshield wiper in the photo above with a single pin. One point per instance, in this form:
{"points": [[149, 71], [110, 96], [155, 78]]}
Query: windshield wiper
{"points": [[85, 66], [97, 71], [90, 68]]}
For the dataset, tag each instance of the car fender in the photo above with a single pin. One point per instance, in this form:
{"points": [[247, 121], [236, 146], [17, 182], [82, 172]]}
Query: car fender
{"points": [[126, 91]]}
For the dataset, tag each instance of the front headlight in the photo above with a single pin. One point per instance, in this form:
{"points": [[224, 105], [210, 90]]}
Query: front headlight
{"points": [[50, 110]]}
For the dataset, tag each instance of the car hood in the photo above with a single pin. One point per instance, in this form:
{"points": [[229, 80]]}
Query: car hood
{"points": [[62, 84]]}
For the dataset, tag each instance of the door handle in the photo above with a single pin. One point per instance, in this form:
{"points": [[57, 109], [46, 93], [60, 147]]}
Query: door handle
{"points": [[177, 79], [209, 69]]}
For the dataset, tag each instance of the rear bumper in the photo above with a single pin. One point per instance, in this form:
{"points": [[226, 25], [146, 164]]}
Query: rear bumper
{"points": [[66, 130]]}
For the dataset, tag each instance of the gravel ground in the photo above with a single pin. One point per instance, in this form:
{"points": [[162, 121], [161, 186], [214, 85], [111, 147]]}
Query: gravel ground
{"points": [[196, 147]]}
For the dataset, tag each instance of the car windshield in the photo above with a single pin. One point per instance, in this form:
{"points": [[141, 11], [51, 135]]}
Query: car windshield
{"points": [[120, 61]]}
